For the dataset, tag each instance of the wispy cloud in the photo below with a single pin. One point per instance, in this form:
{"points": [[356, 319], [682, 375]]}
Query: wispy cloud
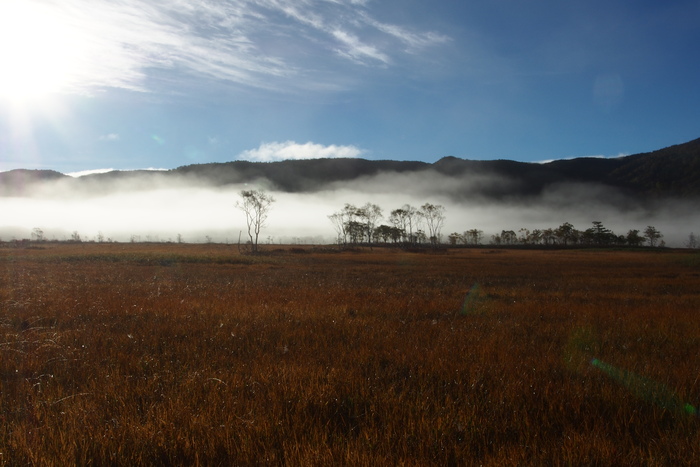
{"points": [[413, 41], [356, 50], [262, 43], [288, 150]]}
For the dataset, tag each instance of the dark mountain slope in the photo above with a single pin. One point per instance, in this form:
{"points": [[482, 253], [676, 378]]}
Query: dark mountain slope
{"points": [[673, 171], [23, 182], [296, 176]]}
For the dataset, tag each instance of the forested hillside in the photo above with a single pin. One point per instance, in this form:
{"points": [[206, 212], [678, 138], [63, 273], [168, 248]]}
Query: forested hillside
{"points": [[668, 172]]}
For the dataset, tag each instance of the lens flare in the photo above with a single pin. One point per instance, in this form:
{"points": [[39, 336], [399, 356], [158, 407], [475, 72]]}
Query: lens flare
{"points": [[645, 389], [473, 300]]}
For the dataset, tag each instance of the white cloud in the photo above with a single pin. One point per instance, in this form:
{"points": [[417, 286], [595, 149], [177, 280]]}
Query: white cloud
{"points": [[82, 173], [89, 172], [276, 151]]}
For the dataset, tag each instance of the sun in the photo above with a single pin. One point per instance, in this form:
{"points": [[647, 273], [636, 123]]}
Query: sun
{"points": [[40, 54]]}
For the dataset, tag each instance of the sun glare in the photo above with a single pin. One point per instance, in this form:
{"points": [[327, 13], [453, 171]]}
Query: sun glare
{"points": [[40, 54]]}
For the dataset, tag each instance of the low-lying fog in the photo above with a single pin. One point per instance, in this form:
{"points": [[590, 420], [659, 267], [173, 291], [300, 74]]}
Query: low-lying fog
{"points": [[155, 210]]}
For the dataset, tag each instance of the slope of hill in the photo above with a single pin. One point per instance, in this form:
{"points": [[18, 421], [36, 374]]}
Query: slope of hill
{"points": [[668, 172], [23, 182], [673, 171], [296, 175]]}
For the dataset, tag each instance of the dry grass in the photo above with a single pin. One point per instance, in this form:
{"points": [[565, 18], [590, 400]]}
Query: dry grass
{"points": [[183, 354]]}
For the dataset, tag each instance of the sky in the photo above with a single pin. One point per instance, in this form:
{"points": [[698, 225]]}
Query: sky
{"points": [[96, 84]]}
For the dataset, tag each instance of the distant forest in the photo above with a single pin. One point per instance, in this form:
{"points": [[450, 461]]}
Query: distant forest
{"points": [[411, 226]]}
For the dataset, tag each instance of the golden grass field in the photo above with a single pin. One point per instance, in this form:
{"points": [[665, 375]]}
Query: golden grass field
{"points": [[135, 354]]}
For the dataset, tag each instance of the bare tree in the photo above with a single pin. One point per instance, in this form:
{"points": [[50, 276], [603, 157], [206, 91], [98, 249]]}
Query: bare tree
{"points": [[256, 205], [370, 214], [339, 225], [434, 215], [407, 219], [341, 220]]}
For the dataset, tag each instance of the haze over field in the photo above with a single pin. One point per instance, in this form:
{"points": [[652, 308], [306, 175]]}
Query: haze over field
{"points": [[159, 206]]}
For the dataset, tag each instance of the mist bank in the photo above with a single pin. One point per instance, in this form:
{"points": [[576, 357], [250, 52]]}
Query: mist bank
{"points": [[144, 207], [196, 203]]}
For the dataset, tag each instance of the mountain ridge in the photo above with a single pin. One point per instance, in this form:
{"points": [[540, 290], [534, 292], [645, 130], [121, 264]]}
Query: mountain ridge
{"points": [[673, 171]]}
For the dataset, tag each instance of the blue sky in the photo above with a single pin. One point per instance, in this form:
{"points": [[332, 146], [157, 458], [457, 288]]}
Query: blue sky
{"points": [[93, 84]]}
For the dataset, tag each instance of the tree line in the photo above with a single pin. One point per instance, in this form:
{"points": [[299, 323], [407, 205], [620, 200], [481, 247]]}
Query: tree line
{"points": [[410, 225], [407, 224], [564, 235]]}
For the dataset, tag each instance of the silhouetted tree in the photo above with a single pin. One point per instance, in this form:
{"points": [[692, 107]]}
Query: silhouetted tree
{"points": [[524, 236], [356, 231], [509, 237], [38, 234], [652, 235], [536, 236], [369, 214], [407, 219], [387, 232], [599, 235], [692, 241], [566, 233], [256, 205], [341, 219], [455, 238], [434, 215], [548, 236], [473, 236], [633, 238]]}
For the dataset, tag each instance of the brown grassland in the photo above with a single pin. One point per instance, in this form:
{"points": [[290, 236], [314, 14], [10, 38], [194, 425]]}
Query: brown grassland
{"points": [[129, 354]]}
